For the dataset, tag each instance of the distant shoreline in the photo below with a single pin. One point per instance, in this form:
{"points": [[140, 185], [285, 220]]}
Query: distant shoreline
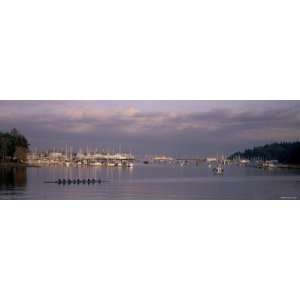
{"points": [[28, 165], [285, 166], [17, 165]]}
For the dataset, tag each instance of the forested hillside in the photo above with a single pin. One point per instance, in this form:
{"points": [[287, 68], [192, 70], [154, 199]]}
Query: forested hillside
{"points": [[287, 153]]}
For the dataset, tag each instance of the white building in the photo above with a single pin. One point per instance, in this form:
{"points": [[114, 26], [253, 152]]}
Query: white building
{"points": [[55, 155], [211, 159], [162, 158]]}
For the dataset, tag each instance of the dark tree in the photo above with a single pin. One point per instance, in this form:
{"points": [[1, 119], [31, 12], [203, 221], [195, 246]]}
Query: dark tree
{"points": [[287, 153], [13, 146]]}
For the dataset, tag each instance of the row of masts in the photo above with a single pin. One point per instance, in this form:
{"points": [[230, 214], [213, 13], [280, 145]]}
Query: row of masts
{"points": [[68, 152]]}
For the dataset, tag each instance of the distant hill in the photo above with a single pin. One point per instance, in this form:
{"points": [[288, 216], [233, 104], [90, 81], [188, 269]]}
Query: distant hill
{"points": [[286, 153]]}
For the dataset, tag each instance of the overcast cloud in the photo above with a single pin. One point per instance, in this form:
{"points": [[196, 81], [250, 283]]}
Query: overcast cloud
{"points": [[176, 127]]}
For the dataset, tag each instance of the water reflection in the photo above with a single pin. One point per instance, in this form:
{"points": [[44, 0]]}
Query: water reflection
{"points": [[149, 182], [13, 177]]}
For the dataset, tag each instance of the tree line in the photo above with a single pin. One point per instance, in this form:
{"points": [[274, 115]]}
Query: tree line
{"points": [[13, 146], [285, 152]]}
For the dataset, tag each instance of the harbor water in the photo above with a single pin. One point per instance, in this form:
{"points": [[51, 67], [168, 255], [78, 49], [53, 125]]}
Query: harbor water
{"points": [[150, 182]]}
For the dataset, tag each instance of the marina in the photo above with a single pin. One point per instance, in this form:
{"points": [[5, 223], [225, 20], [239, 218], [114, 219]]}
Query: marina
{"points": [[217, 164], [143, 153], [69, 158]]}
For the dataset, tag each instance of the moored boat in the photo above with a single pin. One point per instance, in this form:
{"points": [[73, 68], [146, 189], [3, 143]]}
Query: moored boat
{"points": [[218, 170]]}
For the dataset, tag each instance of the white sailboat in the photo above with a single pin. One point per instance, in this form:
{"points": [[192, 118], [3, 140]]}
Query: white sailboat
{"points": [[219, 169]]}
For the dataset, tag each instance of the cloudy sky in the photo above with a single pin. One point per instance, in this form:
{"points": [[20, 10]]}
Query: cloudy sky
{"points": [[153, 127]]}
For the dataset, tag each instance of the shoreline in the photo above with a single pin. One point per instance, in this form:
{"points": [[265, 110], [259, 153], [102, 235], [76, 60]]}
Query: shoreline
{"points": [[30, 165], [284, 166], [17, 165]]}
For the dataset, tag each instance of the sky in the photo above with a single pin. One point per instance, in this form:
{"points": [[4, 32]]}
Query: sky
{"points": [[178, 128]]}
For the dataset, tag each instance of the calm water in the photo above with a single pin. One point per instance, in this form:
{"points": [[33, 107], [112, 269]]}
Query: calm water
{"points": [[150, 182]]}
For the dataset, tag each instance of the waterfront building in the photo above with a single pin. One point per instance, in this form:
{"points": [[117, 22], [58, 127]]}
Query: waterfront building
{"points": [[55, 155], [162, 158], [211, 159]]}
